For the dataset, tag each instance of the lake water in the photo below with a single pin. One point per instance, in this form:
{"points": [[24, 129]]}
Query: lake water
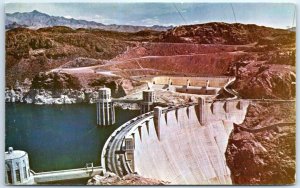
{"points": [[58, 137]]}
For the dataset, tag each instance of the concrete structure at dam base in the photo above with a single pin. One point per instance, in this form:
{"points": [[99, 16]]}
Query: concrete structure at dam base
{"points": [[18, 172], [189, 85], [182, 145]]}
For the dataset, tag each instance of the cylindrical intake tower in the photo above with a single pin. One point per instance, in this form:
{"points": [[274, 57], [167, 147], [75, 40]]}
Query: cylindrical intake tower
{"points": [[105, 107], [148, 100], [17, 170]]}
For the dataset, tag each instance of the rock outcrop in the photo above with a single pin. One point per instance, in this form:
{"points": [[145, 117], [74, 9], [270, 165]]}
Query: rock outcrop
{"points": [[119, 87], [63, 88], [131, 179], [55, 81], [265, 157], [224, 33], [42, 96], [260, 80]]}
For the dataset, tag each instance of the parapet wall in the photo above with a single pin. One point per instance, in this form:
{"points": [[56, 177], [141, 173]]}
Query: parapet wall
{"points": [[197, 90], [175, 147], [194, 81]]}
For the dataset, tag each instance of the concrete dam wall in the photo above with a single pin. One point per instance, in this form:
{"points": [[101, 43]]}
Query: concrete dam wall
{"points": [[185, 145]]}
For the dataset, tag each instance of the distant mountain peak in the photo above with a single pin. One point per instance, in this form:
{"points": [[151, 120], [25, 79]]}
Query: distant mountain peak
{"points": [[37, 19], [36, 12]]}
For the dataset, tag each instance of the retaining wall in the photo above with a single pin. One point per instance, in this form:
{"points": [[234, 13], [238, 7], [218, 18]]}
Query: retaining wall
{"points": [[194, 81]]}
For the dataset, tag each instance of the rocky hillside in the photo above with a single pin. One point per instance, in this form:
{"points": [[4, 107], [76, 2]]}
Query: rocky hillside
{"points": [[29, 52], [36, 19], [265, 57], [260, 80], [55, 81], [224, 33], [131, 179], [268, 156]]}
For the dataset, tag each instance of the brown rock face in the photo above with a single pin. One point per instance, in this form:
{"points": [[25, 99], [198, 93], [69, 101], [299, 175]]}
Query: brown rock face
{"points": [[131, 179], [261, 80], [119, 87], [29, 52], [55, 81], [266, 157], [224, 33]]}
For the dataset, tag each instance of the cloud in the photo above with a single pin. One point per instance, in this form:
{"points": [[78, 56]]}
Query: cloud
{"points": [[150, 21], [68, 16], [98, 18], [103, 19]]}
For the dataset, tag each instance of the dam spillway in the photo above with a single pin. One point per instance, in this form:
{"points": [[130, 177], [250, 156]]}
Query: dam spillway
{"points": [[172, 145]]}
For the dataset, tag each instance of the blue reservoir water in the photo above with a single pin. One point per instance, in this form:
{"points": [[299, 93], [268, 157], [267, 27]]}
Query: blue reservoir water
{"points": [[58, 137]]}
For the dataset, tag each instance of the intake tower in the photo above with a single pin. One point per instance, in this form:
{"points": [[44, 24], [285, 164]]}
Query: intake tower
{"points": [[105, 108], [148, 100], [17, 170]]}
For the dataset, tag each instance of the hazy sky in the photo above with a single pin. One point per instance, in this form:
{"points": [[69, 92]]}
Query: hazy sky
{"points": [[274, 15]]}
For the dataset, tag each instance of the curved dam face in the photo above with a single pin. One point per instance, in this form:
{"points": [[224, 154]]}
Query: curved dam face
{"points": [[187, 145]]}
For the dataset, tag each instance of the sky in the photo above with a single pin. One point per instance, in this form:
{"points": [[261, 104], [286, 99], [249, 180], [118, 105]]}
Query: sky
{"points": [[275, 15]]}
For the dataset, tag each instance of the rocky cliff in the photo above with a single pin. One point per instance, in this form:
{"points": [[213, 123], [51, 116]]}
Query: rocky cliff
{"points": [[62, 88], [268, 156], [131, 179]]}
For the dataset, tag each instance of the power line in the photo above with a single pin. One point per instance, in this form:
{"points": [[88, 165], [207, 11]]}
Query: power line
{"points": [[294, 17], [233, 12], [179, 13]]}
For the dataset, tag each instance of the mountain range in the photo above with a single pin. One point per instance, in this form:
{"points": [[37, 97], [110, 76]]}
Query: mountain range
{"points": [[36, 19]]}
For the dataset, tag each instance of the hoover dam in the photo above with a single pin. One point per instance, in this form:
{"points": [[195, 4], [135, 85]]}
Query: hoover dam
{"points": [[179, 144]]}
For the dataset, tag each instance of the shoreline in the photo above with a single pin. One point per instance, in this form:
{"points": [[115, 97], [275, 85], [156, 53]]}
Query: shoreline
{"points": [[58, 97]]}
